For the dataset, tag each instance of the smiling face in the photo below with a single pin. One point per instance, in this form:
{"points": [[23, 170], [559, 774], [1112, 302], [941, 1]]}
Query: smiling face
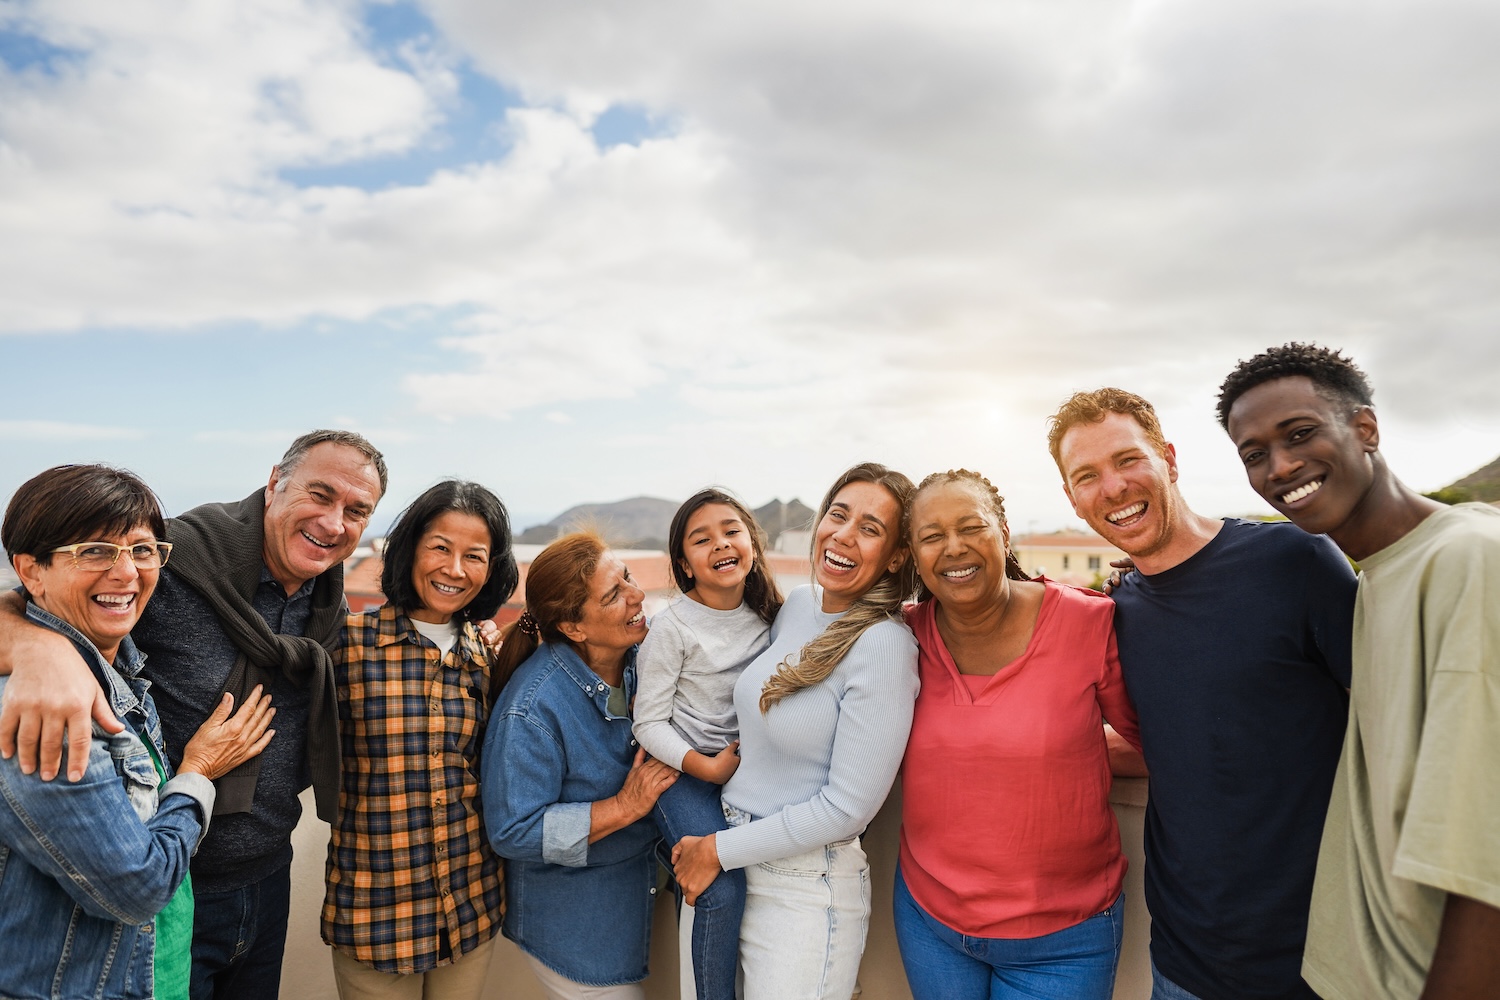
{"points": [[612, 619], [857, 541], [1308, 456], [103, 605], [316, 511], [451, 564], [717, 555], [1121, 484], [959, 544]]}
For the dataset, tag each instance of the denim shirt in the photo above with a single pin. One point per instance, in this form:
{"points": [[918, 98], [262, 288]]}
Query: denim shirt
{"points": [[85, 867], [553, 748]]}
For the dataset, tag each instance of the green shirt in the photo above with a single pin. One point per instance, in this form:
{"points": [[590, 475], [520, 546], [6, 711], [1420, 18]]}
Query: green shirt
{"points": [[173, 958], [1415, 812]]}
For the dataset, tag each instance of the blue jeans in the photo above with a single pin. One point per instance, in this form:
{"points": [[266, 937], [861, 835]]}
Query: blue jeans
{"points": [[690, 808], [1075, 963], [239, 937], [1163, 988]]}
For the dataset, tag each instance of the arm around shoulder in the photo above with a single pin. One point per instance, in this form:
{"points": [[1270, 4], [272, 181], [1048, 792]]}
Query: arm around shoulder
{"points": [[51, 690]]}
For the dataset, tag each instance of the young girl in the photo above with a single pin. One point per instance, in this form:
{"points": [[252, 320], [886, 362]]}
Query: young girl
{"points": [[684, 707]]}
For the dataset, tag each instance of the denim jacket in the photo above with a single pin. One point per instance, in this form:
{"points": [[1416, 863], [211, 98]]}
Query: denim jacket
{"points": [[85, 867], [553, 748]]}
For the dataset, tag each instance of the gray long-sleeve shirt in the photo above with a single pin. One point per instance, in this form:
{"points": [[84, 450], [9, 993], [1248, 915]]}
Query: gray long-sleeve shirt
{"points": [[815, 769], [687, 668]]}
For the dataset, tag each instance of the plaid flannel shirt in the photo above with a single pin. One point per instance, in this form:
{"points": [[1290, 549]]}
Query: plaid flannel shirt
{"points": [[410, 867]]}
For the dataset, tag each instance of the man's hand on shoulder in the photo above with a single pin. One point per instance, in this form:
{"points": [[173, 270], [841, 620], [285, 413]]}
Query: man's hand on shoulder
{"points": [[51, 690]]}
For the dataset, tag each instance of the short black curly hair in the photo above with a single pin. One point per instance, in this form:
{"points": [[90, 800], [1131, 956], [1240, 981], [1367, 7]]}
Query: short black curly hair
{"points": [[1333, 375]]}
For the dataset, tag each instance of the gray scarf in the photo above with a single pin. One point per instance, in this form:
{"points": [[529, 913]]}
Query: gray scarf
{"points": [[218, 551]]}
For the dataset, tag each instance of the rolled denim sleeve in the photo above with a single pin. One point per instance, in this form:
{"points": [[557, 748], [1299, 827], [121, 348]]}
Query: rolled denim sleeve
{"points": [[565, 833], [522, 772], [87, 836]]}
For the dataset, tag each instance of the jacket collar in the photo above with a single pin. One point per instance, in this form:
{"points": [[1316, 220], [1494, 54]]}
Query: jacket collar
{"points": [[583, 675]]}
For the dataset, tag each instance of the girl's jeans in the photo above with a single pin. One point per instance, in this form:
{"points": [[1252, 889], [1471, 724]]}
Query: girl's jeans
{"points": [[690, 807]]}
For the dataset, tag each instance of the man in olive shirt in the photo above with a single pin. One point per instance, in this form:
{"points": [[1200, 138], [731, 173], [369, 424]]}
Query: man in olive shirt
{"points": [[1406, 901]]}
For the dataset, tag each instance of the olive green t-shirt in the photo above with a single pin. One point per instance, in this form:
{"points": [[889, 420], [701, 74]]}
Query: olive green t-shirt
{"points": [[1415, 812]]}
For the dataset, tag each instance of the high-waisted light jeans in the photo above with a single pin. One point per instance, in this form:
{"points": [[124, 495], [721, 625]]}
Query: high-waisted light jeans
{"points": [[806, 918]]}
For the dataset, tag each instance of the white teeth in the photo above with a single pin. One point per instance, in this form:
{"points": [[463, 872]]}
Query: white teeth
{"points": [[839, 561], [1121, 515], [443, 588], [321, 545], [961, 574], [637, 618], [723, 563], [1302, 491], [115, 600]]}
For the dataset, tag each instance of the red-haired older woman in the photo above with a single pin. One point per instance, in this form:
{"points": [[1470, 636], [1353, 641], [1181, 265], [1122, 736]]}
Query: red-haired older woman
{"points": [[567, 792]]}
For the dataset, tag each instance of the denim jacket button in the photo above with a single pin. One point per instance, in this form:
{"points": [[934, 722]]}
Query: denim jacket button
{"points": [[147, 928], [632, 743]]}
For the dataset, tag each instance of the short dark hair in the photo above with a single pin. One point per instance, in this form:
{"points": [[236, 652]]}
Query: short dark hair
{"points": [[77, 503], [401, 546], [761, 593], [1335, 376], [300, 447]]}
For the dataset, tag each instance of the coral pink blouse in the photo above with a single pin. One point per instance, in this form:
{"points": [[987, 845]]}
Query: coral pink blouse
{"points": [[1006, 828]]}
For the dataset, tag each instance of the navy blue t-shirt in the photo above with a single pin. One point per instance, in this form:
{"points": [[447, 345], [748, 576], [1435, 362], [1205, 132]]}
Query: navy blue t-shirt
{"points": [[1237, 660]]}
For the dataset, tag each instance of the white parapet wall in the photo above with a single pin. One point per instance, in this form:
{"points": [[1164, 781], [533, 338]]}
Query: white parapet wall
{"points": [[308, 974]]}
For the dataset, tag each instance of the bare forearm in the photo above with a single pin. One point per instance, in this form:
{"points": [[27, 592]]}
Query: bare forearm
{"points": [[1466, 963], [607, 816], [1125, 761], [13, 625]]}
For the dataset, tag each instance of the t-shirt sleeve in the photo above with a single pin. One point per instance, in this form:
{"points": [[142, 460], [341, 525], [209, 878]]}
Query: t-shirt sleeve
{"points": [[658, 667], [1331, 587], [1450, 837], [875, 713]]}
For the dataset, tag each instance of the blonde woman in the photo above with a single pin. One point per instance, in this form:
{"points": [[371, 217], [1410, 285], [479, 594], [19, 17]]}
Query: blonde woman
{"points": [[824, 715]]}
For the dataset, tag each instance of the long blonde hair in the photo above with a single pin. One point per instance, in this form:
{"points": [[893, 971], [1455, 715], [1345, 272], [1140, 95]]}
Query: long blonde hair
{"points": [[882, 602]]}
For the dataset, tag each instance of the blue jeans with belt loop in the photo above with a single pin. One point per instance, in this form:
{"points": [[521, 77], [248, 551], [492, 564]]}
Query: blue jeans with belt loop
{"points": [[1075, 963]]}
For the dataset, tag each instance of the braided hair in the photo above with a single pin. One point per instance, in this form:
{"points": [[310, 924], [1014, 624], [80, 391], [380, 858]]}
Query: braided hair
{"points": [[991, 497]]}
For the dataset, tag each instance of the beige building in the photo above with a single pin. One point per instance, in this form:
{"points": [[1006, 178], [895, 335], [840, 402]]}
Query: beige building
{"points": [[1080, 558]]}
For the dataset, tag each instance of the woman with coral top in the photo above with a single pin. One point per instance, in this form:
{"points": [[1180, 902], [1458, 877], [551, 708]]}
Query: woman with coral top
{"points": [[1010, 874]]}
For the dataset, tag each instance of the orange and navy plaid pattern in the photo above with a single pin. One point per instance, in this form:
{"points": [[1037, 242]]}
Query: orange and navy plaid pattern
{"points": [[410, 867]]}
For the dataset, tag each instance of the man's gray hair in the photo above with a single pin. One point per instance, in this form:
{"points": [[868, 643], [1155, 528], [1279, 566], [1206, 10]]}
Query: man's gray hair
{"points": [[349, 439]]}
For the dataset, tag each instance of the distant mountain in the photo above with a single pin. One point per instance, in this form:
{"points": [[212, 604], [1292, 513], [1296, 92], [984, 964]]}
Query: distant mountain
{"points": [[640, 522], [777, 517], [643, 522], [1484, 484]]}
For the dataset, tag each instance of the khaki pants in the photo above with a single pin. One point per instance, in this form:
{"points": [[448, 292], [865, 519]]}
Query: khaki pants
{"points": [[460, 980]]}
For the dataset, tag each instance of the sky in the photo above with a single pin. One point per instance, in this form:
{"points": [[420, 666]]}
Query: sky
{"points": [[587, 250]]}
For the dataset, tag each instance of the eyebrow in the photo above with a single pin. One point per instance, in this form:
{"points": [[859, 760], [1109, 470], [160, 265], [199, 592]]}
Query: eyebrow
{"points": [[702, 528], [864, 517]]}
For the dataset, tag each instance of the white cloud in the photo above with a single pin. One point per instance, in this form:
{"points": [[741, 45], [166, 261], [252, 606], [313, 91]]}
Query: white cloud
{"points": [[875, 225]]}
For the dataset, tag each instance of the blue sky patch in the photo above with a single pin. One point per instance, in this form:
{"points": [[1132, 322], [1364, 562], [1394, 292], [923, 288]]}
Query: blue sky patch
{"points": [[472, 130], [21, 52], [626, 124]]}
